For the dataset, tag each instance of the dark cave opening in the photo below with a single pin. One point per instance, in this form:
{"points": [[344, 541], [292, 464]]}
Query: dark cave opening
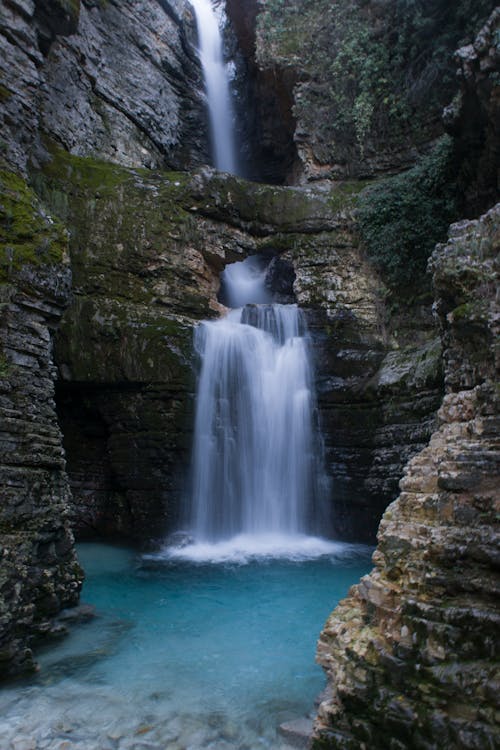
{"points": [[99, 507]]}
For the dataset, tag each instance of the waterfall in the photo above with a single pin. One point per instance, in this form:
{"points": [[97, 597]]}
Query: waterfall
{"points": [[257, 459], [217, 86]]}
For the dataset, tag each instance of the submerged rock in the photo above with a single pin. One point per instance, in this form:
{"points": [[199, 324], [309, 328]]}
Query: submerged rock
{"points": [[297, 732]]}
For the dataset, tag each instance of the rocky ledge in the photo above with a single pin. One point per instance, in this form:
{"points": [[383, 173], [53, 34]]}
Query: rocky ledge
{"points": [[146, 253], [412, 653]]}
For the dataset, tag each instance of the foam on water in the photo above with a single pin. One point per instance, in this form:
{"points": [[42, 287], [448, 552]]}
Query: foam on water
{"points": [[244, 548]]}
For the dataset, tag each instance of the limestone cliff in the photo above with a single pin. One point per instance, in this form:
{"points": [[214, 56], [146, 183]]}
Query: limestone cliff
{"points": [[474, 115], [39, 574], [125, 398], [411, 654], [111, 79], [119, 82]]}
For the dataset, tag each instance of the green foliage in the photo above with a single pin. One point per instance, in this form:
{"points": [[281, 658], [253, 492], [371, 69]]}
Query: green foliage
{"points": [[373, 74], [402, 218]]}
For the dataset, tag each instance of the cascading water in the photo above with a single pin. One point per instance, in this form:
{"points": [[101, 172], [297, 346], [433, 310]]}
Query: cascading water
{"points": [[257, 459], [217, 86]]}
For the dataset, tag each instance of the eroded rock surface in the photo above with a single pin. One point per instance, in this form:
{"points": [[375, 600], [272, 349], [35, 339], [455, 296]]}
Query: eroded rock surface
{"points": [[110, 79], [411, 654], [474, 116], [146, 251], [39, 574]]}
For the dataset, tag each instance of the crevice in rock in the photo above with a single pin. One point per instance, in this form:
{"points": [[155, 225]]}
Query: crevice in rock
{"points": [[263, 103], [126, 447]]}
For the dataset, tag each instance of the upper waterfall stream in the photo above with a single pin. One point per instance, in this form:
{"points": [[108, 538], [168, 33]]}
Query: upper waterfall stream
{"points": [[216, 78]]}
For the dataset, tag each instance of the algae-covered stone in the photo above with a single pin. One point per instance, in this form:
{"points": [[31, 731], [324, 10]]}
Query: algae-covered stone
{"points": [[144, 272]]}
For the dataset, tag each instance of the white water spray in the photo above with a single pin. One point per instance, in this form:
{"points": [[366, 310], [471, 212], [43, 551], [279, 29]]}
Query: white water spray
{"points": [[257, 460], [217, 86]]}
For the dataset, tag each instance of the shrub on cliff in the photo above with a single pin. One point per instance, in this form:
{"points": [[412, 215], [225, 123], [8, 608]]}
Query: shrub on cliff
{"points": [[403, 217]]}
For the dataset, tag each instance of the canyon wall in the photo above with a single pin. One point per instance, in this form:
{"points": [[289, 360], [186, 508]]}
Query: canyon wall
{"points": [[108, 79], [39, 574], [367, 79], [411, 654], [99, 102]]}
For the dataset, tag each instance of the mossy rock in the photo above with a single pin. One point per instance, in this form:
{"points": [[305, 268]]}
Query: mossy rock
{"points": [[28, 235], [127, 227], [5, 93], [270, 209], [123, 344]]}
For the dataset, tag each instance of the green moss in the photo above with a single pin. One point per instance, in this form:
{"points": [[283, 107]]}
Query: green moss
{"points": [[5, 93], [5, 366], [67, 176], [71, 171], [27, 234], [374, 76], [71, 6], [345, 194], [471, 312], [261, 208]]}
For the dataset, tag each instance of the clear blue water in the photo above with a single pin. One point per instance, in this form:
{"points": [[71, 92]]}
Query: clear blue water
{"points": [[183, 655]]}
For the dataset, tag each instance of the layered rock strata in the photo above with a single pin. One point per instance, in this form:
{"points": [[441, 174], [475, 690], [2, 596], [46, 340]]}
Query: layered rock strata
{"points": [[125, 398], [110, 79], [473, 117], [412, 654], [379, 378], [140, 281], [39, 574]]}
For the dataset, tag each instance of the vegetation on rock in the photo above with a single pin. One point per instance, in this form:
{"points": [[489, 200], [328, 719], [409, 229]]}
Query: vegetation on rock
{"points": [[370, 74], [27, 233], [403, 217]]}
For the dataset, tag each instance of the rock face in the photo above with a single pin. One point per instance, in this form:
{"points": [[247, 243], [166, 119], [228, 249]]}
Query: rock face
{"points": [[119, 81], [368, 78], [39, 574], [379, 377], [474, 117], [411, 654], [140, 281], [89, 79], [263, 100], [125, 398]]}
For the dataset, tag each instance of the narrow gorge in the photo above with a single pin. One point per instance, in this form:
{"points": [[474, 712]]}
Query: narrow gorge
{"points": [[248, 331]]}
